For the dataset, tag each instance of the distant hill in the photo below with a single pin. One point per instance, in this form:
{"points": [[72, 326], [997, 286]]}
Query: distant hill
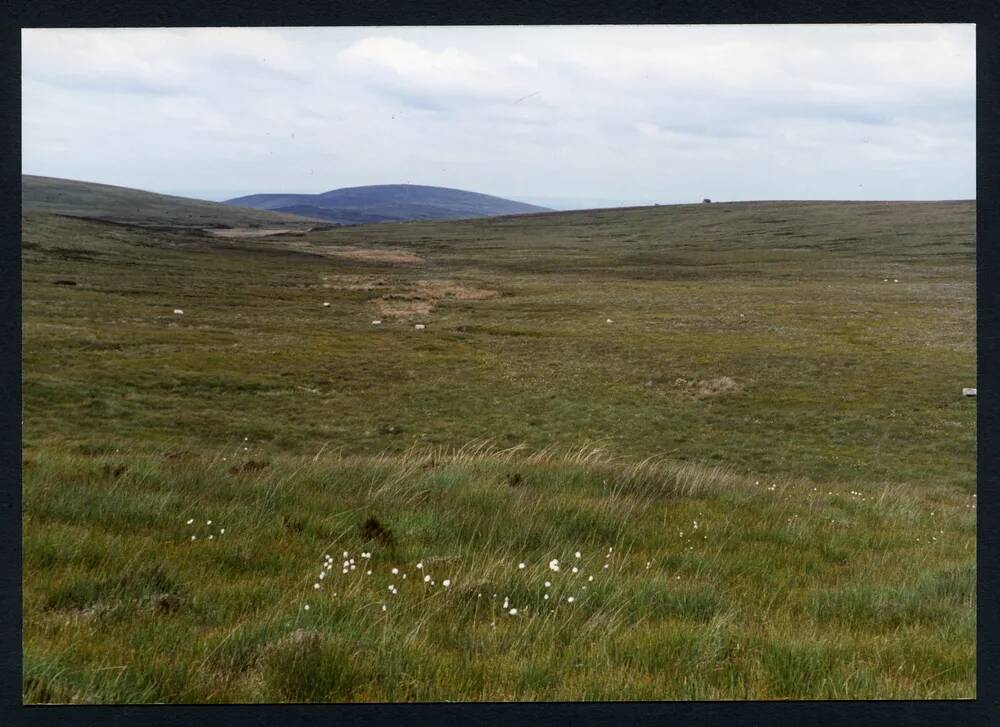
{"points": [[388, 203], [148, 209]]}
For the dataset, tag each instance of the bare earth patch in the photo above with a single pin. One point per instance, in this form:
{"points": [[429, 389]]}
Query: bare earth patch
{"points": [[703, 388], [420, 298], [404, 299]]}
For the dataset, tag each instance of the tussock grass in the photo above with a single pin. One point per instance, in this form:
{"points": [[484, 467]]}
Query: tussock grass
{"points": [[771, 596]]}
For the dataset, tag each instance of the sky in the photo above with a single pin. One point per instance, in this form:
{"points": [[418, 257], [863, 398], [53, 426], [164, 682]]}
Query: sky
{"points": [[559, 116]]}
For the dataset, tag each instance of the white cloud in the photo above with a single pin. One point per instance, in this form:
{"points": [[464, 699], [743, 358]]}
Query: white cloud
{"points": [[647, 112]]}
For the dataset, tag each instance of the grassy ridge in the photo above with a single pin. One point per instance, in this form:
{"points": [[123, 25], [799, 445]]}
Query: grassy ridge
{"points": [[763, 354], [779, 591], [136, 207]]}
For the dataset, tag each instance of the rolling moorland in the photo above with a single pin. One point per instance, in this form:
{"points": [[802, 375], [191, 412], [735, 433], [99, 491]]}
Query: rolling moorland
{"points": [[388, 203], [146, 209], [727, 442]]}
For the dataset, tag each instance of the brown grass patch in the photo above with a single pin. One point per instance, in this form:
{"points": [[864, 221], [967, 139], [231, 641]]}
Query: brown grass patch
{"points": [[357, 282], [703, 388], [378, 256], [250, 232]]}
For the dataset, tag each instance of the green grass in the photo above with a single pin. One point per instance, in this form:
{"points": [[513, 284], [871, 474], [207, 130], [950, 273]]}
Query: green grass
{"points": [[834, 383], [776, 594]]}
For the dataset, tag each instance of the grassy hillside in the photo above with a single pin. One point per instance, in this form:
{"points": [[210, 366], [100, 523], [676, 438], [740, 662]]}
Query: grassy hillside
{"points": [[802, 407], [389, 203], [136, 207]]}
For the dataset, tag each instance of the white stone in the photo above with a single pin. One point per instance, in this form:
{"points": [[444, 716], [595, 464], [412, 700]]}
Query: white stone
{"points": [[178, 312], [326, 305], [420, 326], [376, 323], [968, 392]]}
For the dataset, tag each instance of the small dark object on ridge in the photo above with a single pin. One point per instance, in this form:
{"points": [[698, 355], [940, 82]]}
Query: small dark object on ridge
{"points": [[64, 282], [706, 201], [515, 479], [372, 529]]}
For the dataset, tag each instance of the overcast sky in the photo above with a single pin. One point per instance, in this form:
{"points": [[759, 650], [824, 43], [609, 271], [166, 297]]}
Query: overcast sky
{"points": [[559, 116]]}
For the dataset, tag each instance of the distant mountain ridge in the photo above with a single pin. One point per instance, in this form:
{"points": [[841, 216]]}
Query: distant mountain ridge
{"points": [[388, 203]]}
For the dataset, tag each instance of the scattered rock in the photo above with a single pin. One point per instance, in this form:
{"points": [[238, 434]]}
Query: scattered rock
{"points": [[178, 312], [64, 282], [420, 326], [968, 392]]}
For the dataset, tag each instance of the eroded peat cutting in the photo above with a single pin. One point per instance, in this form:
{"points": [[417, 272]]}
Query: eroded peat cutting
{"points": [[719, 454]]}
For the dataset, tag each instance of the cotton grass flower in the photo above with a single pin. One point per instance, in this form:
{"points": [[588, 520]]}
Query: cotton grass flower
{"points": [[190, 522], [521, 566], [576, 554], [548, 584], [513, 612], [554, 565], [427, 579], [395, 571], [306, 607], [446, 582], [571, 599]]}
